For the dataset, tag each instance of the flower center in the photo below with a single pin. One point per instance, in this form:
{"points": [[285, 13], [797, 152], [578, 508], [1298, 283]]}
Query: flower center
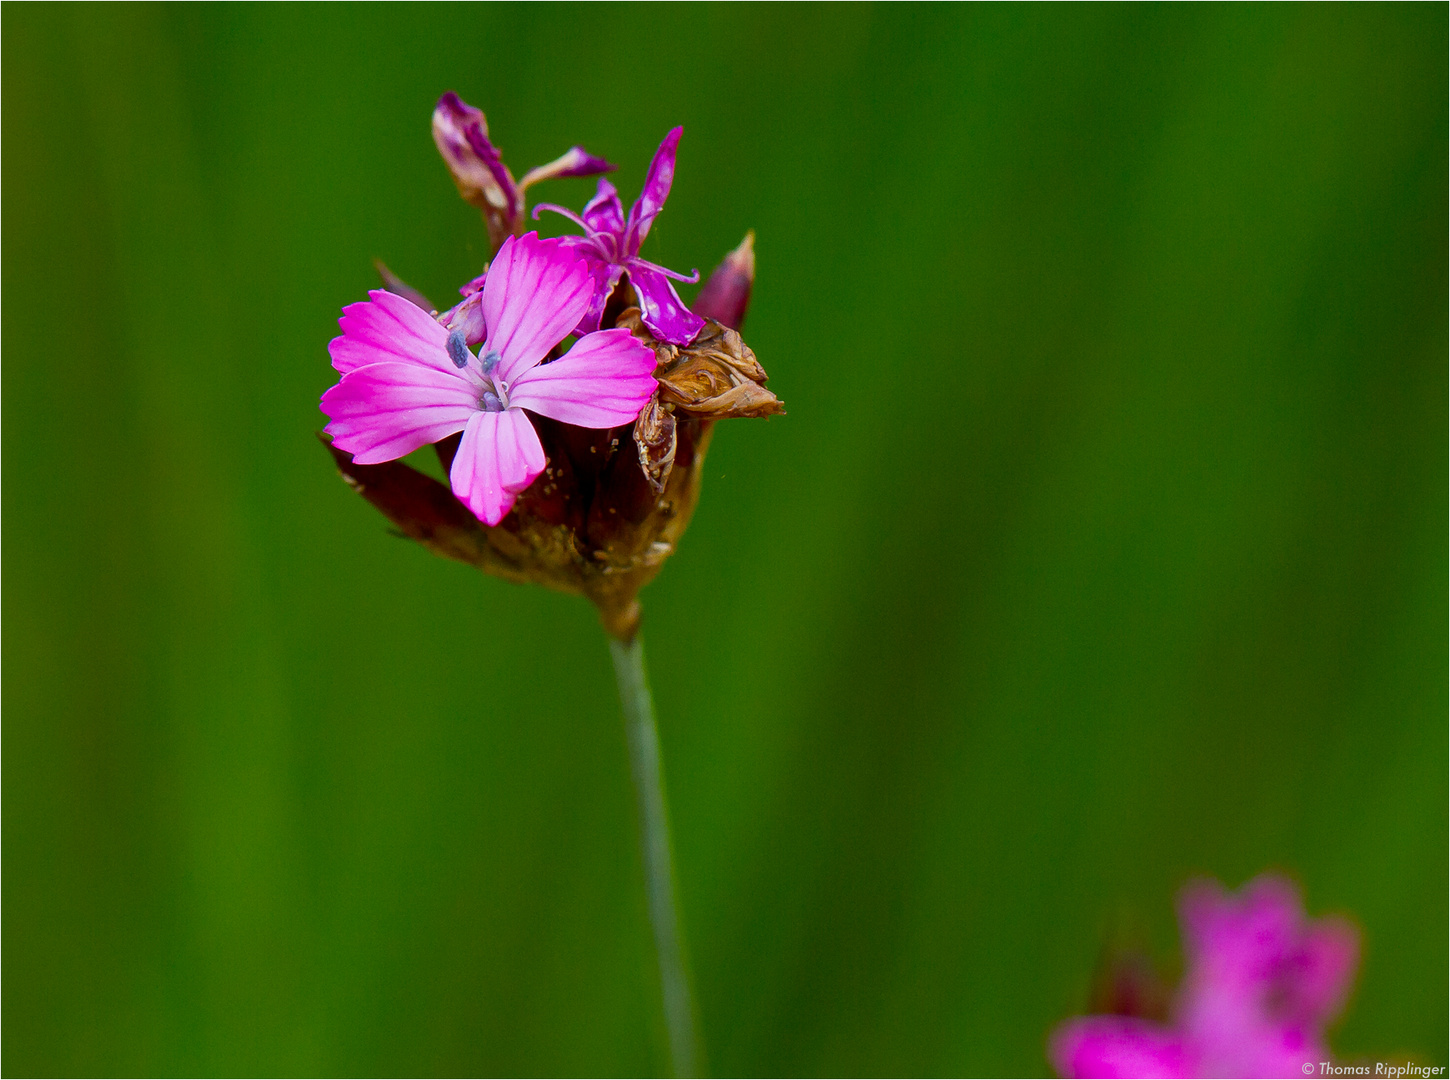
{"points": [[495, 394], [607, 246]]}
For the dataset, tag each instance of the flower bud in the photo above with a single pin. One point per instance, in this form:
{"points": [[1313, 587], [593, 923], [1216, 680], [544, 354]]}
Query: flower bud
{"points": [[461, 134], [1126, 984], [726, 294], [576, 161]]}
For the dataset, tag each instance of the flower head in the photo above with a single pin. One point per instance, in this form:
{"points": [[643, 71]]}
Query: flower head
{"points": [[408, 381], [1261, 982], [611, 245], [575, 470]]}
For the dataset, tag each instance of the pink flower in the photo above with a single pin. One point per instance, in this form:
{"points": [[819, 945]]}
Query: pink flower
{"points": [[1261, 983], [611, 245], [408, 381]]}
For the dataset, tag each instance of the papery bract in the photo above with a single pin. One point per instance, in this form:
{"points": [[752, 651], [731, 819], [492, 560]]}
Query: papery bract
{"points": [[611, 245], [408, 381], [1261, 982]]}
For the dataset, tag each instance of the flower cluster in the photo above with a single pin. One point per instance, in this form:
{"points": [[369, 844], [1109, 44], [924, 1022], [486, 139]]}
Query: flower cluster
{"points": [[1261, 981], [561, 357]]}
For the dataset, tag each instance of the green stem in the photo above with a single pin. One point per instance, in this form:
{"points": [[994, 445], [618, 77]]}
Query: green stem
{"points": [[654, 829]]}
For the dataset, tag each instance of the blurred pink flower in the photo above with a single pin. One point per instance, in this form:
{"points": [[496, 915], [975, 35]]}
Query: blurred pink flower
{"points": [[408, 381], [1261, 982]]}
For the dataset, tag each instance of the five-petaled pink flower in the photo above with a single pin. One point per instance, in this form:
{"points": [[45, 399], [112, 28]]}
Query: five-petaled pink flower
{"points": [[407, 381], [1261, 981], [610, 244]]}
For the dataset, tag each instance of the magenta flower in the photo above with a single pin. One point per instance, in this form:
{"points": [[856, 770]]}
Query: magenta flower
{"points": [[610, 245], [407, 381], [1261, 982]]}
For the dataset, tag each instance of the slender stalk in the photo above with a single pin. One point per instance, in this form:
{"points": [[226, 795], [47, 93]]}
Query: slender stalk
{"points": [[654, 834]]}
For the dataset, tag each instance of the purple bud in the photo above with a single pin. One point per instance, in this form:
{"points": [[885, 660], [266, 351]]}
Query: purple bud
{"points": [[726, 294], [467, 318], [461, 133], [576, 161]]}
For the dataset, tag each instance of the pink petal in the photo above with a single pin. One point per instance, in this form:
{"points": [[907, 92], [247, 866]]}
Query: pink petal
{"points": [[576, 161], [499, 456], [385, 328], [603, 381], [1236, 945], [1261, 978], [1325, 966], [1274, 1053], [606, 276], [656, 190], [604, 213], [384, 411], [1113, 1046], [660, 307], [535, 294]]}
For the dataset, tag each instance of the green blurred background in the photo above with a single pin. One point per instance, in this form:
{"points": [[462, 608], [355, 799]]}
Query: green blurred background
{"points": [[1104, 543]]}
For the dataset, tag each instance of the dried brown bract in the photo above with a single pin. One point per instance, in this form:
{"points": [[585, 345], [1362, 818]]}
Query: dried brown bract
{"points": [[654, 437], [714, 377]]}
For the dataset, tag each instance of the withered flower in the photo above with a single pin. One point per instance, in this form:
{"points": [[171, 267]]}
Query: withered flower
{"points": [[461, 134]]}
